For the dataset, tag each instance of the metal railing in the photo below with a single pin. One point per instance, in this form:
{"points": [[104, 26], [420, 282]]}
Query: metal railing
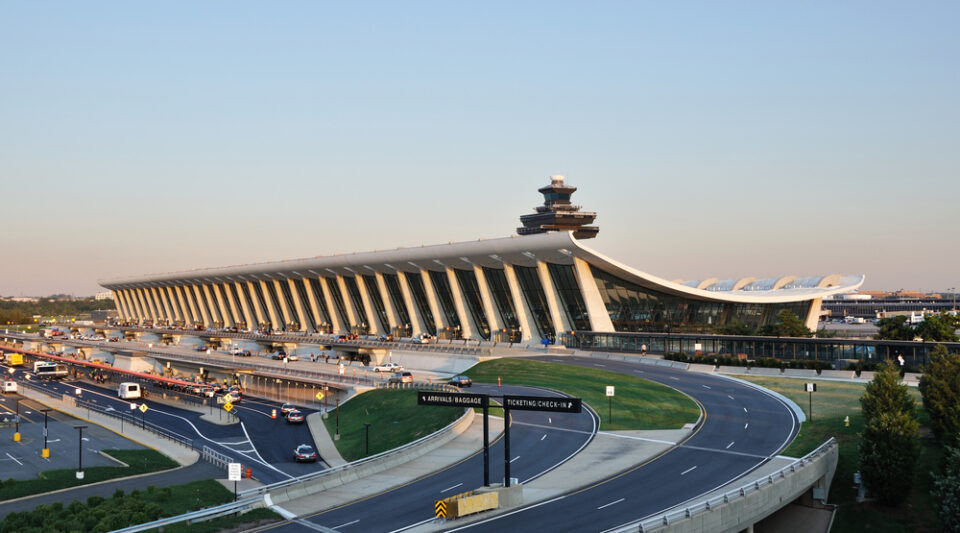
{"points": [[216, 458], [710, 504], [195, 516]]}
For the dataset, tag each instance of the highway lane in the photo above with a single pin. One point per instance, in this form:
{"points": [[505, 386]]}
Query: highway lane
{"points": [[259, 442], [742, 429], [539, 442]]}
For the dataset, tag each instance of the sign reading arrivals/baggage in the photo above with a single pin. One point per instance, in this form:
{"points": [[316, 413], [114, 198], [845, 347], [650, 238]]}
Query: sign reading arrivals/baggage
{"points": [[451, 399], [543, 403]]}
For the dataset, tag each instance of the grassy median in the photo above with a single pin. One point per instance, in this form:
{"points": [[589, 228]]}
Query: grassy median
{"points": [[833, 401], [638, 403], [394, 417]]}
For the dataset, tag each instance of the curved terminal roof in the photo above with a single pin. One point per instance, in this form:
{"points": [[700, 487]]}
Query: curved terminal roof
{"points": [[554, 247]]}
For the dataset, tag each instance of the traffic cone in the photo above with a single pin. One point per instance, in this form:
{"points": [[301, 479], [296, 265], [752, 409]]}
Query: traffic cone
{"points": [[273, 414]]}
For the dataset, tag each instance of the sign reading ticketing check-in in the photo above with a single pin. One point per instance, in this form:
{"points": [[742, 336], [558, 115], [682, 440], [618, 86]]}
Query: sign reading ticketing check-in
{"points": [[541, 403], [451, 399]]}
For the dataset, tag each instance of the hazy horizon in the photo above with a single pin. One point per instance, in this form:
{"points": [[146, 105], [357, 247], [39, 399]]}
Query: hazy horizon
{"points": [[713, 140]]}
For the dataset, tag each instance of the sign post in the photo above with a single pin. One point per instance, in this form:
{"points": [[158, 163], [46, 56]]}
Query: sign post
{"points": [[811, 388], [234, 474], [556, 404], [610, 405], [454, 399]]}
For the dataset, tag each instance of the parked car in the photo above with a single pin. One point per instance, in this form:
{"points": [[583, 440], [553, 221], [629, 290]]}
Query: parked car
{"points": [[461, 381], [295, 417], [388, 367], [385, 338], [304, 454], [401, 377]]}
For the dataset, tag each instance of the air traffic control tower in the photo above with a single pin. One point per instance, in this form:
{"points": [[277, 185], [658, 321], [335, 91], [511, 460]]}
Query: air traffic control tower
{"points": [[558, 214]]}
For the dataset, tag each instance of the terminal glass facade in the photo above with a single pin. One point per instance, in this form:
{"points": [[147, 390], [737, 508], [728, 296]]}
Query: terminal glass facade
{"points": [[442, 285], [536, 300], [635, 308], [373, 291], [396, 297], [571, 297], [263, 303], [500, 290], [321, 301], [294, 322], [471, 293], [305, 303], [359, 310], [337, 298], [420, 299]]}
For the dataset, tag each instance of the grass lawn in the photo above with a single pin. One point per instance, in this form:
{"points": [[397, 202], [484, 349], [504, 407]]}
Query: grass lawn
{"points": [[638, 404], [394, 417], [831, 403], [140, 461], [122, 510]]}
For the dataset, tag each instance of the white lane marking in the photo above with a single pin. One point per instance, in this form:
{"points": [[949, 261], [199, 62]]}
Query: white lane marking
{"points": [[731, 397], [729, 445], [304, 523], [549, 420], [611, 503], [347, 524], [514, 459], [745, 426], [687, 471], [451, 488], [262, 460], [705, 386], [745, 410], [51, 441], [544, 436], [675, 379], [14, 458], [598, 364]]}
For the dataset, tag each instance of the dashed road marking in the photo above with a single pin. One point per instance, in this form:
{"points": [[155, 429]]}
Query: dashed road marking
{"points": [[611, 503], [451, 488], [705, 386], [675, 379], [745, 410], [347, 524], [729, 445], [687, 471], [731, 397], [745, 426], [544, 436], [15, 459], [514, 459]]}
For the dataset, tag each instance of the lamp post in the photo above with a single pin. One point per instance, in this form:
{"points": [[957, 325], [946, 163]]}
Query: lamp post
{"points": [[666, 343], [45, 453], [16, 434], [80, 451], [366, 427]]}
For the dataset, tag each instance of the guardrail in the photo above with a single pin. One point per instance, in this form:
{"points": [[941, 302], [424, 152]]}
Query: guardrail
{"points": [[710, 504], [196, 516], [336, 471]]}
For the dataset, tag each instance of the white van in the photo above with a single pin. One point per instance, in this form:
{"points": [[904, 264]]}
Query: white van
{"points": [[9, 386], [129, 391]]}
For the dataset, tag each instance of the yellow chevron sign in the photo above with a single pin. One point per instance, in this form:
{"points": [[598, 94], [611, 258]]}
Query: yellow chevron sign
{"points": [[441, 508]]}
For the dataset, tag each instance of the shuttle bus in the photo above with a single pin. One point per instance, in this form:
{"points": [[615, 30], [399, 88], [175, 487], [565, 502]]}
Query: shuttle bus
{"points": [[49, 370]]}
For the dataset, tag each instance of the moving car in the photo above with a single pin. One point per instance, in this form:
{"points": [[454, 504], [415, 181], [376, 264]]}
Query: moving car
{"points": [[295, 417], [461, 381], [388, 367], [287, 407], [401, 377], [304, 454]]}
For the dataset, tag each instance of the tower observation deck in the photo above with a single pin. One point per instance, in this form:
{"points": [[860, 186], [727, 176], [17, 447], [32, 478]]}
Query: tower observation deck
{"points": [[558, 214]]}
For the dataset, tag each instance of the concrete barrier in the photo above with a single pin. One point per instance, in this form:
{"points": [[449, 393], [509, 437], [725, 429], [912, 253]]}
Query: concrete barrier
{"points": [[706, 369], [754, 371], [838, 374], [800, 373], [807, 479], [369, 466]]}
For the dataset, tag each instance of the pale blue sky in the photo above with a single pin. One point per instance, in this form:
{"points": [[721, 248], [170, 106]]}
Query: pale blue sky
{"points": [[714, 139]]}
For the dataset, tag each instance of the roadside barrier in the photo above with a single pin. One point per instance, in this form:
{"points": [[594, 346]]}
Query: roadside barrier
{"points": [[466, 503], [196, 516]]}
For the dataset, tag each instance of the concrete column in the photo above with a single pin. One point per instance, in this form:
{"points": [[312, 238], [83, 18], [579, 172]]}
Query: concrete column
{"points": [[158, 300], [486, 297], [152, 304], [275, 321], [121, 309], [415, 319], [372, 319], [438, 318], [813, 313], [228, 319], [314, 306], [160, 294], [232, 304], [467, 326], [258, 310], [331, 307], [392, 315], [186, 301], [144, 308], [248, 314], [524, 316], [599, 316], [194, 290], [136, 313], [212, 304], [298, 305], [352, 315], [284, 305], [559, 318], [172, 298]]}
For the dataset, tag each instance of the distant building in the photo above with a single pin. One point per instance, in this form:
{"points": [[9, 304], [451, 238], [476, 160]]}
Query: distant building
{"points": [[540, 283], [105, 295]]}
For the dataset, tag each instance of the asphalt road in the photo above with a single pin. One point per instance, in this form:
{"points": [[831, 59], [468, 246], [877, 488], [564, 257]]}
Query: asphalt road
{"points": [[743, 428], [539, 442]]}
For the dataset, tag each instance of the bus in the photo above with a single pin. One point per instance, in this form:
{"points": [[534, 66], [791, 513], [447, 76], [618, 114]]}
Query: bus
{"points": [[49, 370]]}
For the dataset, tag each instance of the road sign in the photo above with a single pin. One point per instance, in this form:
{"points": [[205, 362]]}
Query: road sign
{"points": [[810, 387], [319, 395], [143, 408], [234, 472], [441, 508], [227, 407], [543, 403], [451, 399], [133, 405], [227, 398], [609, 390]]}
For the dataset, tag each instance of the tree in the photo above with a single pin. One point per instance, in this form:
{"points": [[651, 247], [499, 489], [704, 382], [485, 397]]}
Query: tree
{"points": [[938, 328], [788, 324], [895, 329], [889, 446], [940, 389], [946, 491], [735, 327]]}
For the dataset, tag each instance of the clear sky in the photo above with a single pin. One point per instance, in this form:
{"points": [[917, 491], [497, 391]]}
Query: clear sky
{"points": [[714, 139]]}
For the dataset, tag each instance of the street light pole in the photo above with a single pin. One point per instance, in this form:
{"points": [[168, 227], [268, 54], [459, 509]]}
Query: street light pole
{"points": [[45, 453], [80, 451], [367, 439], [16, 435]]}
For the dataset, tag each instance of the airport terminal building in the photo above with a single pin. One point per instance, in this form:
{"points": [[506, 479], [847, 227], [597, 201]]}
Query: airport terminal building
{"points": [[539, 283]]}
